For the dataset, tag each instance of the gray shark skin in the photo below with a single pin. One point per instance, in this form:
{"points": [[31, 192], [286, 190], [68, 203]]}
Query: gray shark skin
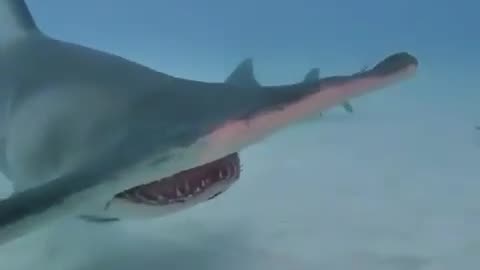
{"points": [[243, 76], [121, 209], [313, 75], [79, 126]]}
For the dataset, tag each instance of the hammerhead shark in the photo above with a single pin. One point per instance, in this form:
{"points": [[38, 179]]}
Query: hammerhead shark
{"points": [[242, 76], [88, 133]]}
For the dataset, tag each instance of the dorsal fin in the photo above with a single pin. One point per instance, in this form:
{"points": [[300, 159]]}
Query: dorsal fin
{"points": [[312, 76], [15, 21], [243, 75]]}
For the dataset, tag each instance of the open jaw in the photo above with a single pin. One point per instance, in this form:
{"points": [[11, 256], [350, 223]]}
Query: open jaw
{"points": [[206, 181]]}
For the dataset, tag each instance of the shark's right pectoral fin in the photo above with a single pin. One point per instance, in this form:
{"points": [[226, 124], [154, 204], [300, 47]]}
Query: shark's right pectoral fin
{"points": [[31, 209]]}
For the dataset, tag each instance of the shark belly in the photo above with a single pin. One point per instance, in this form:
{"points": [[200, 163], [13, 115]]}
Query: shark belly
{"points": [[86, 129]]}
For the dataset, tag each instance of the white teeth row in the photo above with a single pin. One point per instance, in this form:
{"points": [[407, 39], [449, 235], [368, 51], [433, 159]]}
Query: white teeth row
{"points": [[138, 195], [203, 184], [230, 172], [187, 187]]}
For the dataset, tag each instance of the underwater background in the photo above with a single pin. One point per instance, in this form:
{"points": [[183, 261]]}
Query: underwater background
{"points": [[394, 185]]}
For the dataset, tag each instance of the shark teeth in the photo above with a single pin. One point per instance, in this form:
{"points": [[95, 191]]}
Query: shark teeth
{"points": [[142, 197], [187, 184], [178, 192]]}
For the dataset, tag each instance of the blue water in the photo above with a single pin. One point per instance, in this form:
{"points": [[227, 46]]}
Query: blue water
{"points": [[392, 186]]}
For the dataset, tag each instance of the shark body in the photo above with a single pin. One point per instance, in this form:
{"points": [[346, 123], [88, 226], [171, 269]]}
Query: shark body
{"points": [[88, 133], [243, 77]]}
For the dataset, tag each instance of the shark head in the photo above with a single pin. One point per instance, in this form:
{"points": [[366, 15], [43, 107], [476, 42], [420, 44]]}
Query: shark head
{"points": [[192, 186], [88, 133], [171, 194]]}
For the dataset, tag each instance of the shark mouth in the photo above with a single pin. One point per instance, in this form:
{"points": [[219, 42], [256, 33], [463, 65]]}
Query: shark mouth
{"points": [[187, 184]]}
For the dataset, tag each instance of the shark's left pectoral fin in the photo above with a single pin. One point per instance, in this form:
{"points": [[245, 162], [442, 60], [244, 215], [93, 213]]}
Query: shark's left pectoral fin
{"points": [[98, 219]]}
